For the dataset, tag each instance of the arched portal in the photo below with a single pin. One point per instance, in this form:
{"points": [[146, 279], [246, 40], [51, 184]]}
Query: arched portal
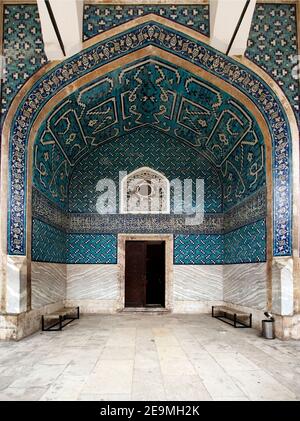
{"points": [[86, 89]]}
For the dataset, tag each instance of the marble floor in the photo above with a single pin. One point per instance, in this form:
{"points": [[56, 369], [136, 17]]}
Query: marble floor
{"points": [[149, 357]]}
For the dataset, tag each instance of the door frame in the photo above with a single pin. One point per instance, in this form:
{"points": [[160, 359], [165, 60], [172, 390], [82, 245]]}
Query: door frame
{"points": [[168, 239]]}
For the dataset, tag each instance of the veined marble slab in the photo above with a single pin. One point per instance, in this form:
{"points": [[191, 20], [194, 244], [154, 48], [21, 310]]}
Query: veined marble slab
{"points": [[198, 283], [48, 283], [92, 282], [246, 284]]}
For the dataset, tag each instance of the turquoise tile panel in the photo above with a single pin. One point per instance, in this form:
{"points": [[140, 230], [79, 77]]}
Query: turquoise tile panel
{"points": [[91, 248], [198, 249], [99, 18], [145, 147], [48, 243], [246, 244]]}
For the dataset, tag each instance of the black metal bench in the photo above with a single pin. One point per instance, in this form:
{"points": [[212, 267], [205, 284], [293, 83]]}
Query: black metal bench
{"points": [[232, 317], [63, 317]]}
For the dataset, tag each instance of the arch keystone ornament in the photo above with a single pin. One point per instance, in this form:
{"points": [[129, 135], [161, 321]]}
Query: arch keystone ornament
{"points": [[157, 37]]}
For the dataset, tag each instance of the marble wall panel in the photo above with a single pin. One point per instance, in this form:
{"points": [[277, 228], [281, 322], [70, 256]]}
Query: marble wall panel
{"points": [[92, 282], [48, 283], [246, 285], [198, 283]]}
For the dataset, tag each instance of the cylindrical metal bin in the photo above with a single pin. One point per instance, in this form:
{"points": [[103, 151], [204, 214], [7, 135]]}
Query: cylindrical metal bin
{"points": [[268, 329]]}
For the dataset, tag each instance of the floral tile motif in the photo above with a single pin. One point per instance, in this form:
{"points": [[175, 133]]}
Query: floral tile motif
{"points": [[272, 45]]}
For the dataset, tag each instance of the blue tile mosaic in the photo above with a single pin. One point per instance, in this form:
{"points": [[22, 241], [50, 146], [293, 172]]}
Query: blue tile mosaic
{"points": [[23, 48], [246, 244], [99, 18], [272, 38], [198, 249], [272, 44], [144, 147], [178, 44], [91, 248], [48, 243], [53, 245], [223, 132]]}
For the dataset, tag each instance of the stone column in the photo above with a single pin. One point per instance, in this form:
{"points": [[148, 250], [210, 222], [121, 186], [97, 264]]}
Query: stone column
{"points": [[282, 286]]}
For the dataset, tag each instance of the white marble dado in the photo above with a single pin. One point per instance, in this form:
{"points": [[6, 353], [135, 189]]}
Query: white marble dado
{"points": [[93, 282], [246, 284], [48, 283], [198, 283]]}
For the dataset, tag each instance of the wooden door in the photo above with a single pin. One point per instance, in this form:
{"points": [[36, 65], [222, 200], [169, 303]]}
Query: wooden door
{"points": [[135, 273]]}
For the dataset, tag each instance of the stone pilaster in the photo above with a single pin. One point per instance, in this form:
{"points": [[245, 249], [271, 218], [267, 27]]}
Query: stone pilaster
{"points": [[282, 286], [16, 284]]}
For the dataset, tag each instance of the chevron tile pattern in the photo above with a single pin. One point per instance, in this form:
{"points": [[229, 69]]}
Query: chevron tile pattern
{"points": [[145, 147], [246, 244], [48, 243], [198, 249], [91, 248]]}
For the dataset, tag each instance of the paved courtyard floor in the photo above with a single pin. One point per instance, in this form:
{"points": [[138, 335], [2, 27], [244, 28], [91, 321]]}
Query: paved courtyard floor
{"points": [[149, 357]]}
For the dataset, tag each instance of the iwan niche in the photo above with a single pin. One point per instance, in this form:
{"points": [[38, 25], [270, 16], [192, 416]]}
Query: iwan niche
{"points": [[145, 191]]}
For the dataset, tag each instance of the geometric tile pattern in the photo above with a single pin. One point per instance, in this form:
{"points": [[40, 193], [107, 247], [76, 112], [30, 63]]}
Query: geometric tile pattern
{"points": [[152, 93], [179, 45], [91, 248], [99, 18], [48, 243], [53, 245], [198, 249], [272, 44], [246, 244], [145, 147], [23, 48]]}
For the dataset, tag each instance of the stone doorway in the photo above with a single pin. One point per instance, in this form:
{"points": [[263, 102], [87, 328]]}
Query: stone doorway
{"points": [[143, 258], [145, 274]]}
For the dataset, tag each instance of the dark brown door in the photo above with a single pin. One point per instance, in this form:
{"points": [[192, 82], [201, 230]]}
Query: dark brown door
{"points": [[135, 274]]}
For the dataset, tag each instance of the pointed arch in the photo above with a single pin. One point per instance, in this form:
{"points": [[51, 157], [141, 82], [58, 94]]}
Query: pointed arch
{"points": [[156, 36]]}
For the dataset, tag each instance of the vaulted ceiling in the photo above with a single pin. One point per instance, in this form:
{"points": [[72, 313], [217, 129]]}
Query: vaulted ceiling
{"points": [[157, 93]]}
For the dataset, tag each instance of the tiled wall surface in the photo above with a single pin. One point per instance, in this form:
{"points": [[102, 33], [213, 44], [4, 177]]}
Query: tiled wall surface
{"points": [[223, 136], [23, 48], [272, 44], [243, 245], [91, 248], [198, 249], [143, 148], [246, 244], [99, 18], [272, 40], [48, 243], [54, 245]]}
